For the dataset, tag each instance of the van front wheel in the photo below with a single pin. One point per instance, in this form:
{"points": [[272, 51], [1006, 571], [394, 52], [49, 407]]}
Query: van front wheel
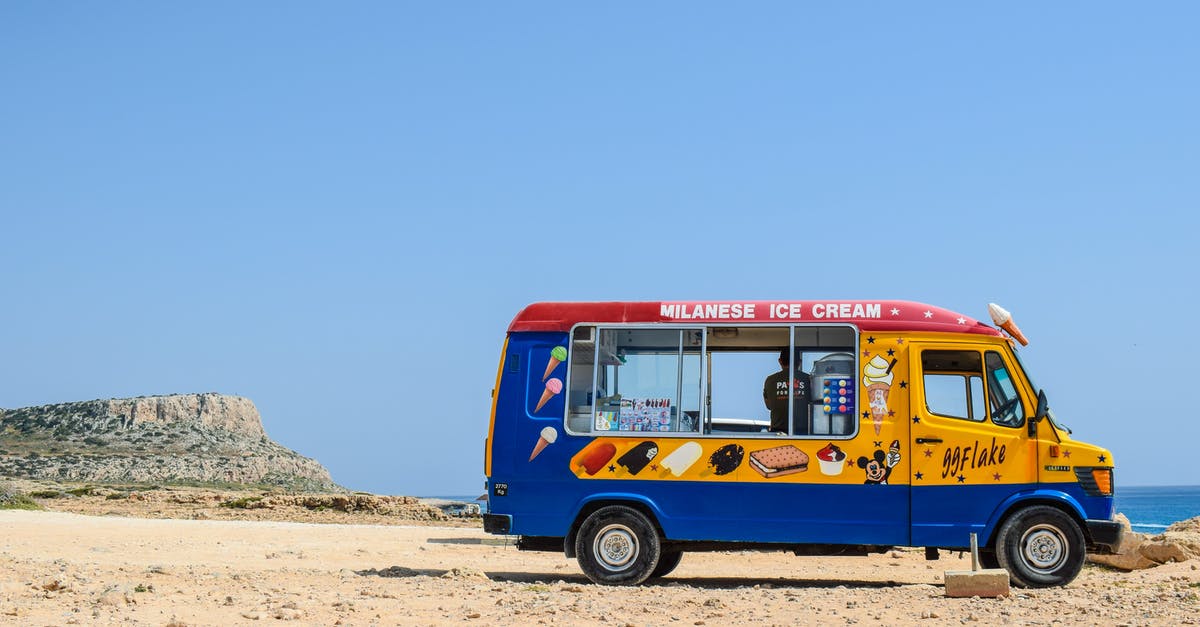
{"points": [[1040, 546], [618, 546]]}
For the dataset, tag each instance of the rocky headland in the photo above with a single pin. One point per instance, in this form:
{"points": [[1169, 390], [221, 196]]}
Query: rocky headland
{"points": [[180, 438]]}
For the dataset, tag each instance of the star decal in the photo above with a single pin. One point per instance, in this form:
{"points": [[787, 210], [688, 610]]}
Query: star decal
{"points": [[996, 476], [899, 340], [612, 468], [1066, 453], [916, 420], [903, 384], [878, 443], [870, 340], [653, 467], [962, 320], [895, 312], [891, 352], [919, 476], [928, 452], [962, 478], [866, 353], [866, 414], [1102, 459], [891, 413], [928, 314]]}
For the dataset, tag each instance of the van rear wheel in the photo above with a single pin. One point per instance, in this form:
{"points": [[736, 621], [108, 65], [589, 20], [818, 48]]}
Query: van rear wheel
{"points": [[618, 546], [1040, 546]]}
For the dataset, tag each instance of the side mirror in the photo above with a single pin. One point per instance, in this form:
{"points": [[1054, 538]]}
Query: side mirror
{"points": [[1039, 413]]}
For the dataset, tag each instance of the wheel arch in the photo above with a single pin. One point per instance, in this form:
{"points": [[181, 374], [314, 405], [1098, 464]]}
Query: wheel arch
{"points": [[594, 502], [1053, 498]]}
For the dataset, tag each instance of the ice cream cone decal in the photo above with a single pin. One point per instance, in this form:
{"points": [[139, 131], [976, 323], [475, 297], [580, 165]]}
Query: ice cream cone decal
{"points": [[553, 387], [877, 378], [1004, 320], [546, 438], [557, 356]]}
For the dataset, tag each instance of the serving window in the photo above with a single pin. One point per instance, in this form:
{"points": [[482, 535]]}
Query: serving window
{"points": [[716, 380]]}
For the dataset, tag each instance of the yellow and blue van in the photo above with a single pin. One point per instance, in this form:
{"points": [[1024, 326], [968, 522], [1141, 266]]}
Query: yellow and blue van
{"points": [[625, 434]]}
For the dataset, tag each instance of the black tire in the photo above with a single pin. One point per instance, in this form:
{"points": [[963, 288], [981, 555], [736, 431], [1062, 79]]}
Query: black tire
{"points": [[618, 546], [667, 563], [1040, 546]]}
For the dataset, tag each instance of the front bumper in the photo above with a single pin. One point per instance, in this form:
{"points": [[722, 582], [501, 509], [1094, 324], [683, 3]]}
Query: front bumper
{"points": [[1105, 535], [499, 524]]}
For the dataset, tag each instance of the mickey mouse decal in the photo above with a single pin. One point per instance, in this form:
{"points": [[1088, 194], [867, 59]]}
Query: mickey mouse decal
{"points": [[879, 466]]}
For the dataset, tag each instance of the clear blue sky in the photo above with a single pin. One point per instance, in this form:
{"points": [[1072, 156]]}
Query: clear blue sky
{"points": [[335, 209]]}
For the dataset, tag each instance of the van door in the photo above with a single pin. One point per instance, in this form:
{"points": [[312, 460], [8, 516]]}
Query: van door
{"points": [[970, 447]]}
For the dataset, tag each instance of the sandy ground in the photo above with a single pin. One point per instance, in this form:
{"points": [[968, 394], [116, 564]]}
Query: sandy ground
{"points": [[64, 568]]}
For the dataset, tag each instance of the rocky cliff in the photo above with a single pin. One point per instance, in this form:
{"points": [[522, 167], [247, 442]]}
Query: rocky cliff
{"points": [[183, 438]]}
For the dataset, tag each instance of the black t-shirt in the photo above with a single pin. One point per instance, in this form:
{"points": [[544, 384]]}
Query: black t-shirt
{"points": [[775, 392]]}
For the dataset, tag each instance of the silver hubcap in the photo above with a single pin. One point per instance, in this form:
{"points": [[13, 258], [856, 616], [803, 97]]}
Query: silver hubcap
{"points": [[1043, 548], [616, 547]]}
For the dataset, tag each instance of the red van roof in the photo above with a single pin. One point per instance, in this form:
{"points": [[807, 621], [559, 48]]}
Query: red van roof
{"points": [[868, 315]]}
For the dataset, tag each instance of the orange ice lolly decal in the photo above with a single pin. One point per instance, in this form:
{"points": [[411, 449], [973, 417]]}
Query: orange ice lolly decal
{"points": [[596, 459]]}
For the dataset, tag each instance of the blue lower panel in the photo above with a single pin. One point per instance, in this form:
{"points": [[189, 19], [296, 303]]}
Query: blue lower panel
{"points": [[945, 516], [734, 512]]}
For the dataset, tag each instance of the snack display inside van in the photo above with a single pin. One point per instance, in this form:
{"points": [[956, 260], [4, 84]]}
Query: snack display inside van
{"points": [[626, 434]]}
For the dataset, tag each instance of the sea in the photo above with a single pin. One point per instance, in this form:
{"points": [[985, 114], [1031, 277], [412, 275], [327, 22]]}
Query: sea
{"points": [[1150, 509]]}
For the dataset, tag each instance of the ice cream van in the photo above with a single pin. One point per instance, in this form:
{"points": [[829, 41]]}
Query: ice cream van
{"points": [[626, 434]]}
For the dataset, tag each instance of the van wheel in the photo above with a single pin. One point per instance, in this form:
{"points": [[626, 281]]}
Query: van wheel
{"points": [[617, 546], [1040, 546], [667, 563]]}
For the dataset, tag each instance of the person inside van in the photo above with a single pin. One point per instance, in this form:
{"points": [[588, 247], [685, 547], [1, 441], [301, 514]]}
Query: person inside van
{"points": [[775, 395]]}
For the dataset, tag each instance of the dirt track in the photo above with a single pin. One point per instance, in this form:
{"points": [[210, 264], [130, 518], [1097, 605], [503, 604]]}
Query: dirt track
{"points": [[62, 568]]}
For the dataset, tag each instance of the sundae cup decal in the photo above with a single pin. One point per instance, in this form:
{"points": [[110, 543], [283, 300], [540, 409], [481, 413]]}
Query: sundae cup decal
{"points": [[546, 438], [831, 459], [553, 387], [594, 460], [877, 378], [557, 356]]}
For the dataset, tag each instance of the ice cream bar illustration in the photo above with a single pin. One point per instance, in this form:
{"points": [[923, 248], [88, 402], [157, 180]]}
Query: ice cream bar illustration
{"points": [[637, 457], [596, 459], [1004, 320], [831, 459], [727, 458], [553, 386], [547, 437], [877, 377], [557, 356], [682, 458]]}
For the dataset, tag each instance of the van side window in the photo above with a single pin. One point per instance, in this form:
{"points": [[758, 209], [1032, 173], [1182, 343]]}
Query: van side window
{"points": [[954, 384], [1007, 409]]}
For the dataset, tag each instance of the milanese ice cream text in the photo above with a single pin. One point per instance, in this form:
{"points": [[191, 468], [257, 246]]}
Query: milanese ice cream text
{"points": [[775, 311]]}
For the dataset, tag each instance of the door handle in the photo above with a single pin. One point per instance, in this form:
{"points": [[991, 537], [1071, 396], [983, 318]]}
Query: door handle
{"points": [[929, 440]]}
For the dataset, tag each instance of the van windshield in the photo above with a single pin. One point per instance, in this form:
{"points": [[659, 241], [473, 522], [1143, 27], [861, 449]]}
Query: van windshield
{"points": [[1029, 378]]}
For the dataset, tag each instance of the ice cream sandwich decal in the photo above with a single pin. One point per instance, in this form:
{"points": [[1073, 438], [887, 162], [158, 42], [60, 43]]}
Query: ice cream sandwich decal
{"points": [[779, 461]]}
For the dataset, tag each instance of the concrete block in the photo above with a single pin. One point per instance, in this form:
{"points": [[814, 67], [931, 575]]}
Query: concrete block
{"points": [[986, 582]]}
